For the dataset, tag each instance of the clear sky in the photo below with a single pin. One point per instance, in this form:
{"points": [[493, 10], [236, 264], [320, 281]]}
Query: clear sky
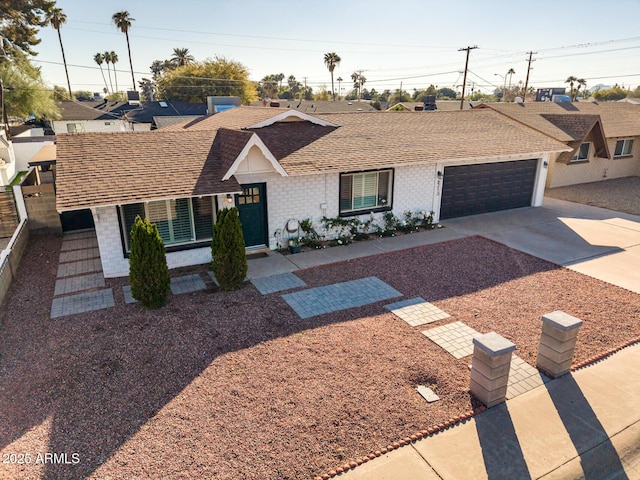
{"points": [[415, 42]]}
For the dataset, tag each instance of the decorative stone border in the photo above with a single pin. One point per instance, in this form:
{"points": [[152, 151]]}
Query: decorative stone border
{"points": [[588, 362], [401, 443]]}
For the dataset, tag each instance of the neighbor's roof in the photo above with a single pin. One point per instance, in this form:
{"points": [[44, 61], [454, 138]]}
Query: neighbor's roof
{"points": [[146, 111], [123, 167], [100, 169], [93, 110], [619, 119]]}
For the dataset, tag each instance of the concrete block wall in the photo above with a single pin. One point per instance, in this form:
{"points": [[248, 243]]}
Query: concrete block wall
{"points": [[42, 213], [11, 256]]}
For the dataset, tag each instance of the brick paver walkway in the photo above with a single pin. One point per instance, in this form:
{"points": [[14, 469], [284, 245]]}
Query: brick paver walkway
{"points": [[523, 377], [416, 311], [339, 296], [80, 270], [82, 302], [277, 283], [456, 338], [187, 283]]}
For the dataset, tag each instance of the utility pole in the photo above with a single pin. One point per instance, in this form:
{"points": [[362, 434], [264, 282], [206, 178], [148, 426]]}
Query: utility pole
{"points": [[5, 120], [466, 66], [526, 82]]}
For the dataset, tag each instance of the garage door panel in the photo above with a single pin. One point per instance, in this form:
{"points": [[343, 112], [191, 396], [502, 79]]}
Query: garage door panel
{"points": [[489, 187]]}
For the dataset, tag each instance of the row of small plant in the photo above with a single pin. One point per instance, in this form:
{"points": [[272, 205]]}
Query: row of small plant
{"points": [[342, 231]]}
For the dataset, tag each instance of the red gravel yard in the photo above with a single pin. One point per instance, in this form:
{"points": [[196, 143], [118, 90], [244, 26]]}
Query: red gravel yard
{"points": [[236, 386]]}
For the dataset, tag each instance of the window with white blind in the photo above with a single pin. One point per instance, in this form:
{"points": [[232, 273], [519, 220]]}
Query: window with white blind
{"points": [[365, 191], [623, 148], [180, 221]]}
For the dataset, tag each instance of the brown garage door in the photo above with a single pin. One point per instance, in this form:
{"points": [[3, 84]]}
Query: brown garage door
{"points": [[487, 187]]}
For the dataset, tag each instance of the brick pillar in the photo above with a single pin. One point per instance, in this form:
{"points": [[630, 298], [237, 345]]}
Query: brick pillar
{"points": [[557, 342], [490, 368]]}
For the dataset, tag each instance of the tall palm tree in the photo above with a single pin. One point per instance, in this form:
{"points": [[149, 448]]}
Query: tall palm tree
{"points": [[581, 83], [114, 60], [122, 20], [510, 73], [571, 81], [57, 17], [99, 59], [181, 57], [339, 80], [107, 60], [332, 60]]}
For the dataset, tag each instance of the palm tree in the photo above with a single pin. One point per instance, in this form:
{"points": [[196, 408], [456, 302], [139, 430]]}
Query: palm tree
{"points": [[581, 83], [332, 60], [571, 81], [181, 57], [510, 73], [114, 60], [339, 80], [107, 60], [99, 59], [57, 17], [122, 20]]}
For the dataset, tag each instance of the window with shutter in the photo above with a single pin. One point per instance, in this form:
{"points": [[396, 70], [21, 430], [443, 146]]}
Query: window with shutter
{"points": [[366, 191], [129, 214], [203, 217]]}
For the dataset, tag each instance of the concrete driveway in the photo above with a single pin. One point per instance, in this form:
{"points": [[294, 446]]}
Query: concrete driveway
{"points": [[594, 241]]}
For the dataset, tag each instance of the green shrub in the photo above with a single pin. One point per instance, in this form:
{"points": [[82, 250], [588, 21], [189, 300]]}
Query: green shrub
{"points": [[148, 271], [229, 258]]}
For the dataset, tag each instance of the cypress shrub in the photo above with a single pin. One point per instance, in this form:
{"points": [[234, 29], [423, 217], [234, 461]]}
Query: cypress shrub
{"points": [[229, 258], [148, 271]]}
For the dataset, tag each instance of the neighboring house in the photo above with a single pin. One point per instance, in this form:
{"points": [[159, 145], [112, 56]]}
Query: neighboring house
{"points": [[105, 116], [282, 164], [604, 137]]}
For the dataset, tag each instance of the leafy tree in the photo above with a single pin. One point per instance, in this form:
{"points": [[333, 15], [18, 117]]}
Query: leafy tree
{"points": [[99, 59], [20, 21], [82, 94], [147, 90], [400, 96], [181, 57], [24, 91], [294, 86], [323, 94], [635, 93], [148, 270], [446, 93], [194, 82], [610, 94], [332, 60], [229, 258], [158, 67], [57, 17], [122, 20]]}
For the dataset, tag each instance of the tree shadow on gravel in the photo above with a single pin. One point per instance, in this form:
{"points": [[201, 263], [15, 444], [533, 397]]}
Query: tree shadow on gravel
{"points": [[101, 376]]}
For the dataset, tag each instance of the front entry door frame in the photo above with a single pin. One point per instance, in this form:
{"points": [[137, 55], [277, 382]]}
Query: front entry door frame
{"points": [[252, 209]]}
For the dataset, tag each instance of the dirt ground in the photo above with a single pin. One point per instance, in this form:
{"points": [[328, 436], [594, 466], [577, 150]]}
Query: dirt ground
{"points": [[236, 386], [619, 194]]}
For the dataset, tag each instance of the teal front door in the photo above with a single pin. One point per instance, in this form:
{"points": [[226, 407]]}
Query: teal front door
{"points": [[252, 208]]}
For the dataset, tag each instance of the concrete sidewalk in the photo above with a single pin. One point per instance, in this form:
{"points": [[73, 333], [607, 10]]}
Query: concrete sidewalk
{"points": [[585, 424]]}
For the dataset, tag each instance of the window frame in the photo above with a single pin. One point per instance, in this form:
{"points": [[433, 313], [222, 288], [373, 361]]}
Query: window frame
{"points": [[577, 158], [623, 142], [364, 210], [194, 242]]}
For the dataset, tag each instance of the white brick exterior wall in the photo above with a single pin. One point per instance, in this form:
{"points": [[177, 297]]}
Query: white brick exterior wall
{"points": [[114, 263]]}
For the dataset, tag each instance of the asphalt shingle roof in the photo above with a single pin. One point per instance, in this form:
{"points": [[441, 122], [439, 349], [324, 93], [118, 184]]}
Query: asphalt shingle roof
{"points": [[99, 169], [619, 119], [190, 159]]}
